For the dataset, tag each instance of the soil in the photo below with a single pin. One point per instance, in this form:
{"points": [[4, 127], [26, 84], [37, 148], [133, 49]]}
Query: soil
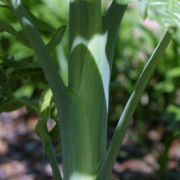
{"points": [[22, 158]]}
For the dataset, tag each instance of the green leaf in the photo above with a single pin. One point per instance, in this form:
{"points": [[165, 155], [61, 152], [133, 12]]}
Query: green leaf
{"points": [[167, 12], [45, 103], [55, 136], [111, 23], [165, 87], [5, 87], [143, 8], [174, 72], [41, 25], [42, 131], [24, 64], [45, 109], [130, 107], [25, 90], [77, 149], [173, 109], [36, 42], [1, 92], [9, 103], [124, 1], [56, 38], [30, 104], [3, 4], [4, 26]]}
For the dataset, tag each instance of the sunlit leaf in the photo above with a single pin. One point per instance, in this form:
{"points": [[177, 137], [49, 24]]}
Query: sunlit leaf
{"points": [[167, 12]]}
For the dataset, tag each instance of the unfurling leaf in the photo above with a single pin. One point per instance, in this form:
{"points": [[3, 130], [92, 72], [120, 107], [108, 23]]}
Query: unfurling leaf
{"points": [[167, 12]]}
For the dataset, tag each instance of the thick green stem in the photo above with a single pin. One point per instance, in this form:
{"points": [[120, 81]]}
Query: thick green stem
{"points": [[130, 107], [84, 22], [92, 41], [85, 28]]}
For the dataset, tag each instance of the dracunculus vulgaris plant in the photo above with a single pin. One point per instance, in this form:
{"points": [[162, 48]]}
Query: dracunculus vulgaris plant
{"points": [[83, 105]]}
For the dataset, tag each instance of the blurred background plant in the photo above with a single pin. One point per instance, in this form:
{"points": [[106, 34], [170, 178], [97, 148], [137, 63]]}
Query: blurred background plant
{"points": [[156, 125]]}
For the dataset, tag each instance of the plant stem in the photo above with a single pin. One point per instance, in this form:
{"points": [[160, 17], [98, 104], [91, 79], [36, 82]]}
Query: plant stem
{"points": [[49, 150], [163, 157], [53, 78], [130, 107], [88, 125]]}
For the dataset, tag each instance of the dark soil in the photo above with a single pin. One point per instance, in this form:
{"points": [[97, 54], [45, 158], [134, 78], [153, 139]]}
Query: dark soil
{"points": [[22, 158]]}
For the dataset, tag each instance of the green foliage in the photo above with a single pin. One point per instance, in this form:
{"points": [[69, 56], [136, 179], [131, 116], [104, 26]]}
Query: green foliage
{"points": [[124, 1], [22, 69], [79, 77], [166, 12]]}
